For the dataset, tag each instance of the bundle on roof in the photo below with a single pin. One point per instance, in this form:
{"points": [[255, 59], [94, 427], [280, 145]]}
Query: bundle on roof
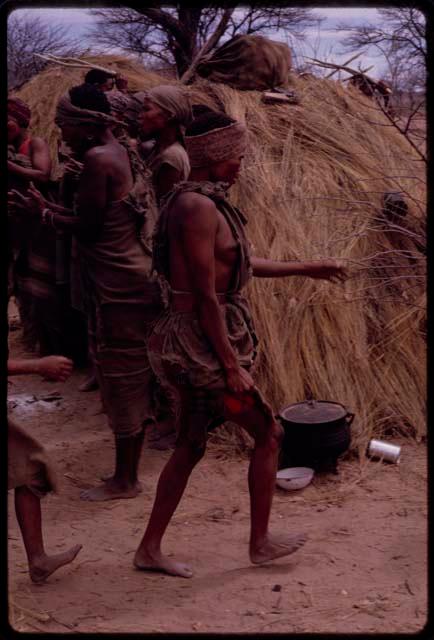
{"points": [[248, 62], [313, 185]]}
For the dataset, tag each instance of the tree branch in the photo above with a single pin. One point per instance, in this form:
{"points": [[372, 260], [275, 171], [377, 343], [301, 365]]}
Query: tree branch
{"points": [[210, 44], [163, 18]]}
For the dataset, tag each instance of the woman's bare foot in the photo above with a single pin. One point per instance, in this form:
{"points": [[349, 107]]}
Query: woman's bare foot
{"points": [[106, 477], [110, 490], [277, 547], [157, 562], [90, 384], [43, 567]]}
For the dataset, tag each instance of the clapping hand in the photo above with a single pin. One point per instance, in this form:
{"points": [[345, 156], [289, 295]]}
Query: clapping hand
{"points": [[19, 204], [33, 203], [73, 167], [38, 199]]}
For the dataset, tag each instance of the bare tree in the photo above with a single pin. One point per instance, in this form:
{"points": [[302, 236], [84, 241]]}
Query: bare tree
{"points": [[175, 35], [399, 36], [27, 35]]}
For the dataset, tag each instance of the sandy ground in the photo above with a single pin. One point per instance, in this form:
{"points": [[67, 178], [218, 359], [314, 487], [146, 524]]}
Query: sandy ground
{"points": [[363, 568]]}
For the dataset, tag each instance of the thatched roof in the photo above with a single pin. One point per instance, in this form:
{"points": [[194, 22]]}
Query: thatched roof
{"points": [[312, 187]]}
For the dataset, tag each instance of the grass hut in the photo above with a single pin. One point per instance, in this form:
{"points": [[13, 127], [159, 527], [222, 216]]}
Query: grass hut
{"points": [[313, 186]]}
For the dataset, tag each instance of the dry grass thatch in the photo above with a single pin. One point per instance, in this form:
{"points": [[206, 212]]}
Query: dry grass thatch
{"points": [[312, 187]]}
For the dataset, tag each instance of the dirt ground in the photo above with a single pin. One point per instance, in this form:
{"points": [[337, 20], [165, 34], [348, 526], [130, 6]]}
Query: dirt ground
{"points": [[363, 568]]}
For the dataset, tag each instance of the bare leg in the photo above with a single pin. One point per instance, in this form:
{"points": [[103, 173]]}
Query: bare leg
{"points": [[136, 459], [124, 483], [162, 435], [260, 424], [28, 511], [90, 384], [170, 488]]}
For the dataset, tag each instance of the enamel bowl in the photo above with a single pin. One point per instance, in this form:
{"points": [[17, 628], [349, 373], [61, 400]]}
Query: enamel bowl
{"points": [[294, 478]]}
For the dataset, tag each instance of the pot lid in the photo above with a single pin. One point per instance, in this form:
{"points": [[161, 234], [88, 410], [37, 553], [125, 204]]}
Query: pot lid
{"points": [[313, 412]]}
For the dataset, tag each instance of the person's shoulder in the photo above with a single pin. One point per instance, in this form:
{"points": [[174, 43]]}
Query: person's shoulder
{"points": [[193, 208], [175, 150], [102, 155], [192, 200], [175, 155], [38, 143]]}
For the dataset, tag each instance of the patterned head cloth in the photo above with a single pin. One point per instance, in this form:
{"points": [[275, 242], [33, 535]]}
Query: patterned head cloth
{"points": [[133, 107], [20, 111], [173, 99], [118, 102], [217, 145], [69, 114]]}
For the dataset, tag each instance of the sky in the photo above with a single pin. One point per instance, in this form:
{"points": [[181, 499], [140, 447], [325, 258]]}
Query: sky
{"points": [[323, 44]]}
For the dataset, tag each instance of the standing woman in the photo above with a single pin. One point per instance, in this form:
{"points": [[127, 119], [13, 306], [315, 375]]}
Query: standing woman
{"points": [[165, 160], [166, 111], [162, 114], [32, 251], [122, 299]]}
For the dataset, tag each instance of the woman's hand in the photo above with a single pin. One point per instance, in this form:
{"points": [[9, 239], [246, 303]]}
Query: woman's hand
{"points": [[55, 368], [39, 201], [19, 205], [330, 269], [73, 167], [238, 380]]}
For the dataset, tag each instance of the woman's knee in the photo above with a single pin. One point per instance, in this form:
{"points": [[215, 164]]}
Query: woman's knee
{"points": [[270, 433], [193, 450], [197, 450], [277, 433]]}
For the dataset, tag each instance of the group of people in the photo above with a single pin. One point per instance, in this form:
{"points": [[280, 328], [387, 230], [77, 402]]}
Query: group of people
{"points": [[158, 260]]}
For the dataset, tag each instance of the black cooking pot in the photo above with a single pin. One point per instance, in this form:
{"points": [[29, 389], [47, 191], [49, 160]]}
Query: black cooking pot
{"points": [[317, 432]]}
